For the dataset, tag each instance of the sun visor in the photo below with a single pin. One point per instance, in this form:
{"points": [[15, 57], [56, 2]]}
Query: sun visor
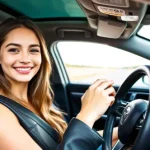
{"points": [[114, 19], [110, 28]]}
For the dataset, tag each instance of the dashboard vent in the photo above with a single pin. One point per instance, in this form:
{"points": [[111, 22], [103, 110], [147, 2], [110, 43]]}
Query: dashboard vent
{"points": [[144, 96]]}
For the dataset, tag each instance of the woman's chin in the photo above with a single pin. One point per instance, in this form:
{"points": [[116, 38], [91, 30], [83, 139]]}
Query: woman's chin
{"points": [[22, 80]]}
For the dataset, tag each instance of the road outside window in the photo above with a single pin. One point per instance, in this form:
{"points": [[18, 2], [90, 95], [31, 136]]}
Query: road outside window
{"points": [[85, 62]]}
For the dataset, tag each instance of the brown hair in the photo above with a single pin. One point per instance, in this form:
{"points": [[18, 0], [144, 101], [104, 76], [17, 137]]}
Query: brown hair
{"points": [[40, 94]]}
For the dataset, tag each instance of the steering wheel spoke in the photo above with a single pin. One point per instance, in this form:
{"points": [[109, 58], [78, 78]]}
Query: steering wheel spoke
{"points": [[120, 107]]}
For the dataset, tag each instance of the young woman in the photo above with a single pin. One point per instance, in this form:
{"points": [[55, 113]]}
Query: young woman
{"points": [[25, 69]]}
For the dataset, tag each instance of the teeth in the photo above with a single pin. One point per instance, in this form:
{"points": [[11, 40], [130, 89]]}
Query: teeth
{"points": [[23, 69]]}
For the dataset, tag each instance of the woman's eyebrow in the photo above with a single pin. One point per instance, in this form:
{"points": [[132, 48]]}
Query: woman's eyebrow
{"points": [[13, 44], [19, 45], [34, 45]]}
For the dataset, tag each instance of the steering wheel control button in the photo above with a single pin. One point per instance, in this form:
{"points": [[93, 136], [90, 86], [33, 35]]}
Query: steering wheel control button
{"points": [[140, 121], [125, 115], [130, 119]]}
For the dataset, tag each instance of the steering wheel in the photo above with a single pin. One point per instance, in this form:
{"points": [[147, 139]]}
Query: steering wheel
{"points": [[135, 116]]}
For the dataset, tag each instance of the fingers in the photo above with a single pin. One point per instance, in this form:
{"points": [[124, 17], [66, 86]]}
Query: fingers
{"points": [[111, 99], [111, 91], [97, 83], [99, 95], [83, 96], [102, 83], [106, 84]]}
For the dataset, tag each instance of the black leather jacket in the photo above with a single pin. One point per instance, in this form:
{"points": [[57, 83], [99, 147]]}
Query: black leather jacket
{"points": [[78, 135]]}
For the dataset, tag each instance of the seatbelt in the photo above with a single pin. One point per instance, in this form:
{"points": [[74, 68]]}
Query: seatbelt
{"points": [[40, 131]]}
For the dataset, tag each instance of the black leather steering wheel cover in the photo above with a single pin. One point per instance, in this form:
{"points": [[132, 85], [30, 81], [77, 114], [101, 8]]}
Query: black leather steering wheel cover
{"points": [[127, 84]]}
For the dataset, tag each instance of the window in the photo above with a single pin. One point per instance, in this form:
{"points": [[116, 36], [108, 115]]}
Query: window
{"points": [[85, 62], [145, 32]]}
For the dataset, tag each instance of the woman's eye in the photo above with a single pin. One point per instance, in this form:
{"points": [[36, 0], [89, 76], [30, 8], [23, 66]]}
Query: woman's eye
{"points": [[34, 51], [13, 50]]}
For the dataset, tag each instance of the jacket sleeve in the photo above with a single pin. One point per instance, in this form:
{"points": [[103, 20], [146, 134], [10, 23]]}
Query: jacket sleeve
{"points": [[80, 136]]}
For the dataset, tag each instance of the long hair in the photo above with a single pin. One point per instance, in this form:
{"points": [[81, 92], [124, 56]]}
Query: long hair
{"points": [[40, 94]]}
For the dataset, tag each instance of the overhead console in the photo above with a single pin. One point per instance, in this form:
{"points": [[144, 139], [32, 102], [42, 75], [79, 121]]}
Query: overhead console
{"points": [[114, 18]]}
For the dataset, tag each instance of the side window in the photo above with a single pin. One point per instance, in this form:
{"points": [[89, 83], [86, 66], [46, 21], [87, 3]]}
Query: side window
{"points": [[85, 62]]}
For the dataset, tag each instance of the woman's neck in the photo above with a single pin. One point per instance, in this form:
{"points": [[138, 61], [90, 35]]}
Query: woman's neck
{"points": [[20, 91]]}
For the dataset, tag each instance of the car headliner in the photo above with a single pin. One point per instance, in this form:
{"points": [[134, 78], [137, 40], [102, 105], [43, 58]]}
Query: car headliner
{"points": [[37, 9]]}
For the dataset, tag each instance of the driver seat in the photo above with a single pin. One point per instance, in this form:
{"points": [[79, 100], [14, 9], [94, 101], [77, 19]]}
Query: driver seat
{"points": [[40, 131]]}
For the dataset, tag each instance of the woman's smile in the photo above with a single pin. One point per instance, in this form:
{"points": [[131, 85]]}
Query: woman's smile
{"points": [[23, 70]]}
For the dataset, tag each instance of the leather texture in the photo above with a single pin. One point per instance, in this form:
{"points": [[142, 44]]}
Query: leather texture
{"points": [[78, 135], [43, 134]]}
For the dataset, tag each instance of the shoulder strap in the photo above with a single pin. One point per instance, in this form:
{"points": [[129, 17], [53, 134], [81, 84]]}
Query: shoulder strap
{"points": [[43, 134]]}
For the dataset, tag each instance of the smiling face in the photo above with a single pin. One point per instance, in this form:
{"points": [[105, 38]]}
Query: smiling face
{"points": [[20, 55]]}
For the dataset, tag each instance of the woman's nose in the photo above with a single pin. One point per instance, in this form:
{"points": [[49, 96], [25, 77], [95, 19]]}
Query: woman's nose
{"points": [[24, 61], [25, 58]]}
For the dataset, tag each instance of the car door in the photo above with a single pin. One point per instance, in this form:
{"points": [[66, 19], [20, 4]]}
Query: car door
{"points": [[79, 64]]}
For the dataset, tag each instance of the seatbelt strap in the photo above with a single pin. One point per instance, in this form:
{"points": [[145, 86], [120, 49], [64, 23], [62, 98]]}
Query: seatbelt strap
{"points": [[43, 134]]}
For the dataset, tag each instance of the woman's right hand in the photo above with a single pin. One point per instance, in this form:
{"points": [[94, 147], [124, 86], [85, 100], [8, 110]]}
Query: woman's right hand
{"points": [[96, 100]]}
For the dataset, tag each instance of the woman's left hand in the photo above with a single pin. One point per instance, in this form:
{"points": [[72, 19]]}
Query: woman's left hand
{"points": [[114, 137]]}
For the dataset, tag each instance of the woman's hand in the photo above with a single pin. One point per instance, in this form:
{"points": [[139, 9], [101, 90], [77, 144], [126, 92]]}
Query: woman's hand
{"points": [[114, 136], [96, 100]]}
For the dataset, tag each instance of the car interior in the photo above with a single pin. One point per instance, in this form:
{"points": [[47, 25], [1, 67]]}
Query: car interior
{"points": [[115, 23]]}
